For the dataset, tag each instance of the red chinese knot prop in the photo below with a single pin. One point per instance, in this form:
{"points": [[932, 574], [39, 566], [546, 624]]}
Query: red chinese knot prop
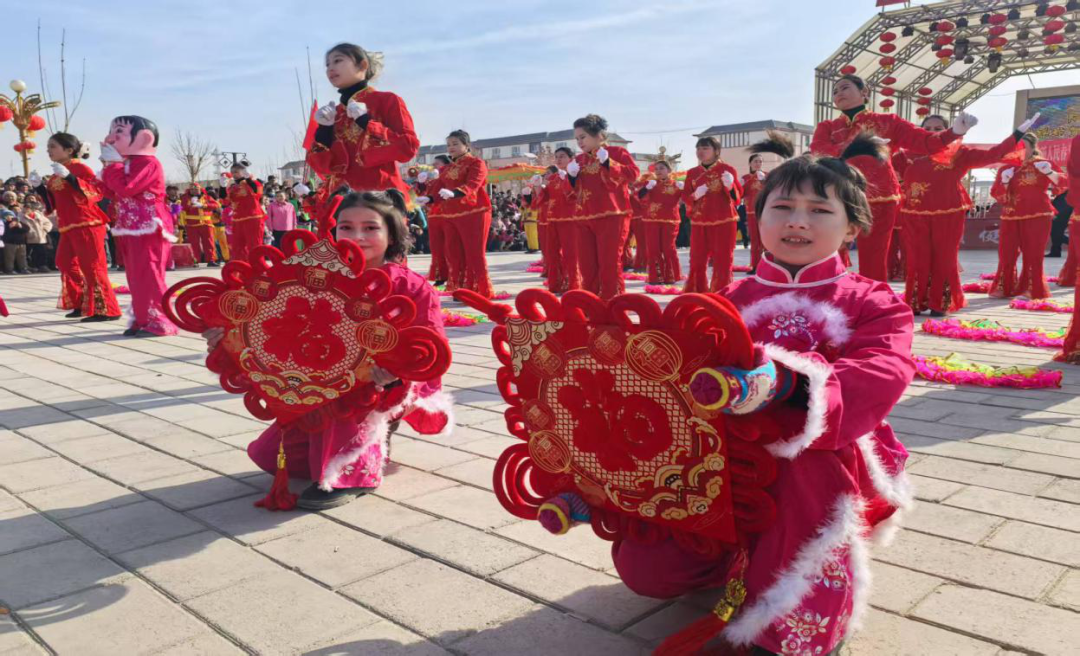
{"points": [[599, 397], [304, 329]]}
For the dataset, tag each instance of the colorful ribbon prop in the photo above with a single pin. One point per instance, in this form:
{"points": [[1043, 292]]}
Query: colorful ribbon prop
{"points": [[640, 277], [461, 319], [666, 290], [976, 287], [957, 370], [499, 296], [990, 276], [1041, 305], [992, 331]]}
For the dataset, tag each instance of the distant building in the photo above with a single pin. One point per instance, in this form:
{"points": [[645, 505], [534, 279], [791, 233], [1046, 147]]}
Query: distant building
{"points": [[292, 172], [533, 148], [736, 138]]}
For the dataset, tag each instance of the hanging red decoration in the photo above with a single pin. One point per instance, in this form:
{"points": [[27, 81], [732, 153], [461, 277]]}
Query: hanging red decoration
{"points": [[1055, 25], [1054, 40], [924, 101], [888, 79], [998, 19], [925, 91], [888, 37], [6, 114], [27, 146], [945, 26], [922, 111], [997, 43], [944, 39], [848, 70], [887, 103], [887, 62], [944, 54], [888, 91], [998, 30], [888, 47], [1055, 11], [36, 123]]}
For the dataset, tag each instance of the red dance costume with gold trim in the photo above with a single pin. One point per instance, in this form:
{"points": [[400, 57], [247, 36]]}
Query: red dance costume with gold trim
{"points": [[751, 186], [248, 217], [557, 202], [466, 221], [713, 225], [197, 217], [1071, 350], [661, 226]]}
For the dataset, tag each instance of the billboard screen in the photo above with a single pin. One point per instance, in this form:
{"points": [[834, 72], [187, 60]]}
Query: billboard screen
{"points": [[1059, 123]]}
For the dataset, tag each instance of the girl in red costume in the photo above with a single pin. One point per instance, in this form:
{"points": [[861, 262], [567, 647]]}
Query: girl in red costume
{"points": [[360, 141], [934, 209], [248, 216], [197, 214], [461, 197], [533, 198], [712, 196], [353, 465], [562, 240], [777, 144], [1022, 188], [439, 272], [660, 200], [73, 192], [1071, 349], [600, 177], [832, 136]]}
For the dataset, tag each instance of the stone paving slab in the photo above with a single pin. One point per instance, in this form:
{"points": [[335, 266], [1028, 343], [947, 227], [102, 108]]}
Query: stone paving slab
{"points": [[126, 507]]}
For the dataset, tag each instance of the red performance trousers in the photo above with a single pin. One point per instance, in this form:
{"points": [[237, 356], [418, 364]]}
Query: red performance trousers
{"points": [[637, 229], [246, 235], [551, 243], [1067, 275], [201, 238], [440, 269], [757, 249], [600, 254], [85, 247], [1027, 237], [898, 250], [566, 234], [715, 243], [660, 254], [874, 246], [71, 277], [932, 245], [466, 246]]}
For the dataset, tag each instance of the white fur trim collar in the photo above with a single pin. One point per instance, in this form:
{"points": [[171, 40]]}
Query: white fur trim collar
{"points": [[817, 375]]}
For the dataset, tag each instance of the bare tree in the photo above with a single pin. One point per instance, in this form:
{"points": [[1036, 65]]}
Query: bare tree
{"points": [[69, 108], [192, 152]]}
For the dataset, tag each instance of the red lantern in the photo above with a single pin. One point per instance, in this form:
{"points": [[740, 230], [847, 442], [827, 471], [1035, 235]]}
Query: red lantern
{"points": [[848, 70], [944, 54], [945, 26], [1053, 40], [924, 101], [887, 103], [888, 37], [888, 47], [925, 91], [1055, 11], [944, 40], [997, 43], [25, 146], [888, 91], [887, 80], [1054, 25], [887, 62], [6, 114], [922, 111], [998, 19], [998, 30], [36, 123]]}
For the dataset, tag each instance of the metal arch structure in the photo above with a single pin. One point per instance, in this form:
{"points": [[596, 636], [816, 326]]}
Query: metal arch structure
{"points": [[958, 82]]}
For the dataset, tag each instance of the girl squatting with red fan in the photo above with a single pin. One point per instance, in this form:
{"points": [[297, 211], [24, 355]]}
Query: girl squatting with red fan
{"points": [[824, 336]]}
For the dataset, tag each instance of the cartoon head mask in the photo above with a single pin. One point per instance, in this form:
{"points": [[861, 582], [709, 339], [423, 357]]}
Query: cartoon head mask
{"points": [[133, 135]]}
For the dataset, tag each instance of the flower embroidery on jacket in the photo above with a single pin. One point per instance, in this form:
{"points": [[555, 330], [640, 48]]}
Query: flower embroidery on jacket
{"points": [[804, 628], [833, 574], [916, 191], [794, 325]]}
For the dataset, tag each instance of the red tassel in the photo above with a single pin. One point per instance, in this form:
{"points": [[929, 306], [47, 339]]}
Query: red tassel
{"points": [[692, 639], [279, 497]]}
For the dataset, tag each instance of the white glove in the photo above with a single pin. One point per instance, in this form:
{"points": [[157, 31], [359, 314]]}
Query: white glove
{"points": [[109, 154], [223, 181], [651, 184], [355, 109], [423, 177], [1026, 125], [964, 122], [1007, 175], [536, 181], [573, 168], [433, 174], [700, 191], [562, 174], [327, 114], [34, 179], [602, 154], [761, 176], [195, 202], [1044, 167], [527, 191], [302, 189], [881, 141], [60, 170], [680, 184], [446, 194], [728, 179], [423, 200]]}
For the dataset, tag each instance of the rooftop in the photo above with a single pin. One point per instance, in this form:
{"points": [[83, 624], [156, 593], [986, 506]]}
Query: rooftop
{"points": [[514, 140], [769, 124]]}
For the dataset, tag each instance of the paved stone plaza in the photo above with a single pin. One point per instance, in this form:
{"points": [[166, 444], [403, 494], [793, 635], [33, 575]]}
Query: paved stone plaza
{"points": [[127, 525]]}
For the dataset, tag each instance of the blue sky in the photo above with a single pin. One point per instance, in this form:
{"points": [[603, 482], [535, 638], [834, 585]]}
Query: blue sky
{"points": [[658, 71]]}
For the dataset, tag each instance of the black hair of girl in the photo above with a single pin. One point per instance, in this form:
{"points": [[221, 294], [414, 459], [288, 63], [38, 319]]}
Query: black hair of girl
{"points": [[859, 83], [445, 159], [824, 172], [1033, 140], [462, 136], [565, 149], [552, 169], [753, 157], [359, 55], [933, 116], [665, 164], [708, 141], [138, 124], [390, 205], [68, 141], [594, 124]]}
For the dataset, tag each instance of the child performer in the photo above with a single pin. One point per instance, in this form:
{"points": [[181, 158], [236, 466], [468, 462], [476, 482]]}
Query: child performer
{"points": [[360, 141], [660, 200], [600, 177], [461, 192], [933, 211], [712, 196], [562, 227], [143, 226], [73, 193], [777, 144], [840, 344], [532, 197], [1071, 349], [248, 216], [850, 94], [439, 272], [197, 214], [375, 221], [1025, 221]]}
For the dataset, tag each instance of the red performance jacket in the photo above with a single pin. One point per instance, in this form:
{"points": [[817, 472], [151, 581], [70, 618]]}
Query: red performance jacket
{"points": [[76, 203], [661, 203], [556, 199], [832, 136], [245, 198], [1025, 196], [602, 190], [719, 204], [932, 185], [192, 215], [466, 176], [751, 186]]}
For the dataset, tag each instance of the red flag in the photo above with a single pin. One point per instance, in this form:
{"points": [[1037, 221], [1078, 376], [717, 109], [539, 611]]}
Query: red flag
{"points": [[309, 137]]}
